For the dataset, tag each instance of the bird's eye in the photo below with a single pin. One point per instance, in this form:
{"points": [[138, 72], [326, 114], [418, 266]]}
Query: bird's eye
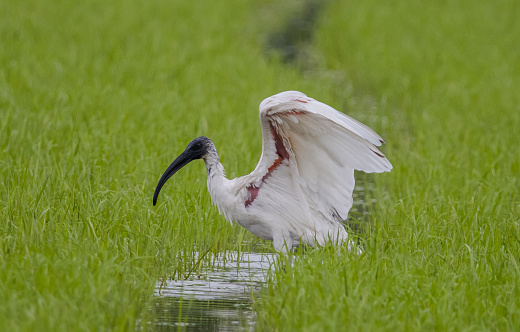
{"points": [[198, 145]]}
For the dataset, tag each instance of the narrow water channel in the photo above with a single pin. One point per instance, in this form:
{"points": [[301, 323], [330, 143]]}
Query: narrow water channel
{"points": [[217, 299]]}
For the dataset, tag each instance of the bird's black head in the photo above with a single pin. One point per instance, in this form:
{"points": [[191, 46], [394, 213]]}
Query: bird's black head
{"points": [[197, 149]]}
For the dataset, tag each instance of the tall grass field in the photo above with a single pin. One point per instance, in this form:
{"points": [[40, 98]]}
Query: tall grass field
{"points": [[98, 97]]}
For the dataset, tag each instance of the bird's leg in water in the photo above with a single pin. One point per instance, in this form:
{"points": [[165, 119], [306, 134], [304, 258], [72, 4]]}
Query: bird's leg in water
{"points": [[291, 259]]}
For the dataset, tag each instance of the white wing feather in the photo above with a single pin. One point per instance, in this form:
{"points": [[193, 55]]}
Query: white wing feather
{"points": [[309, 181]]}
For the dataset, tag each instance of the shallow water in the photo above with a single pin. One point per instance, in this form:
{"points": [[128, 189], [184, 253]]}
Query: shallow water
{"points": [[217, 299]]}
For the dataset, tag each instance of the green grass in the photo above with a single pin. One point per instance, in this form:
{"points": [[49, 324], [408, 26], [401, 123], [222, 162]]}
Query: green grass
{"points": [[97, 98]]}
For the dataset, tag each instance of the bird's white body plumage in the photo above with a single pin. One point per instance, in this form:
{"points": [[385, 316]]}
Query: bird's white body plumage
{"points": [[301, 189]]}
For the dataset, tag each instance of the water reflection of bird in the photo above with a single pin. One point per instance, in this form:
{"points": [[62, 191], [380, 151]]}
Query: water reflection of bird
{"points": [[301, 189]]}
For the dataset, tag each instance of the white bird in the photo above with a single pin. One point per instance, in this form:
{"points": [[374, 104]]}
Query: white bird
{"points": [[301, 189]]}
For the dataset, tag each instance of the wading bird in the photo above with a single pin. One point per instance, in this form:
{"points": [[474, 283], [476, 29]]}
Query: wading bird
{"points": [[301, 189]]}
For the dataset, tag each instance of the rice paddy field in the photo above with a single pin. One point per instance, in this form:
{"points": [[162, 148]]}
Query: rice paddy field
{"points": [[98, 97]]}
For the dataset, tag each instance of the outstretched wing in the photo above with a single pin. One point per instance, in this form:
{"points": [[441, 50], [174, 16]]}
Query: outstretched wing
{"points": [[309, 154]]}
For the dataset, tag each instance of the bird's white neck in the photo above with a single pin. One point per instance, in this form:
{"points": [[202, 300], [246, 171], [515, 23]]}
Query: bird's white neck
{"points": [[219, 187], [215, 168]]}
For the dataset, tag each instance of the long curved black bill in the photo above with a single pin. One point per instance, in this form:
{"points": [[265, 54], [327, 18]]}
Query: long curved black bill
{"points": [[177, 164]]}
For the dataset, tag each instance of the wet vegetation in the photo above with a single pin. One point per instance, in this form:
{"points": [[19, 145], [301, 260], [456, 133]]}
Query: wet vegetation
{"points": [[97, 98]]}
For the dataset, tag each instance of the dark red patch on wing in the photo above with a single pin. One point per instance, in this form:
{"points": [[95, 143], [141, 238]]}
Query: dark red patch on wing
{"points": [[278, 143], [281, 151], [295, 112], [301, 101], [252, 192]]}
